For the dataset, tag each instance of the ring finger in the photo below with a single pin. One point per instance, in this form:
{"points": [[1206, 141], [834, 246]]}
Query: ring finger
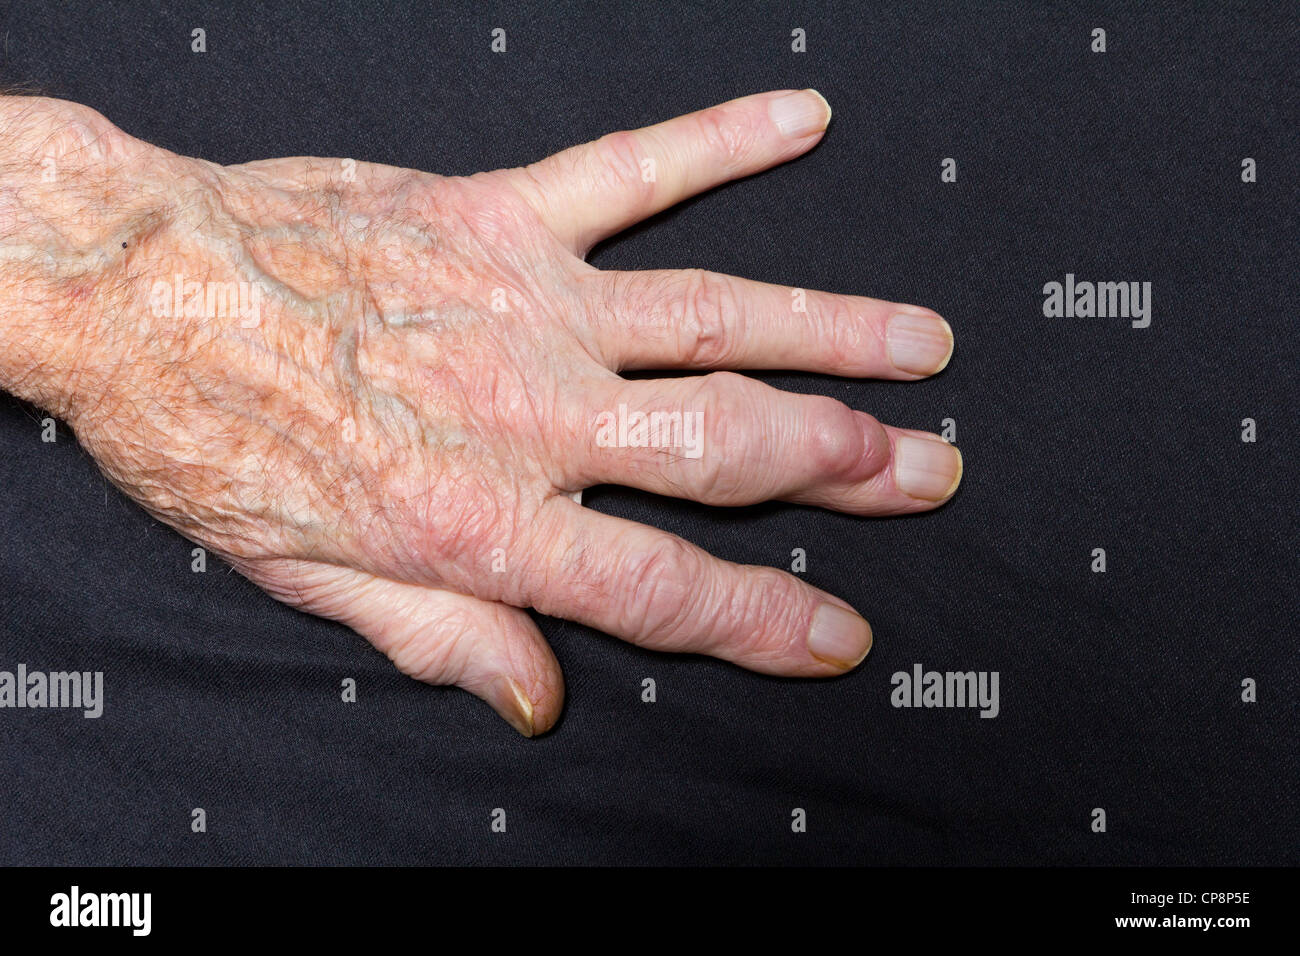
{"points": [[723, 439]]}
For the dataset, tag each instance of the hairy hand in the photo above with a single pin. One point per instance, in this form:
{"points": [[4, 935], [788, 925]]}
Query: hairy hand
{"points": [[379, 393]]}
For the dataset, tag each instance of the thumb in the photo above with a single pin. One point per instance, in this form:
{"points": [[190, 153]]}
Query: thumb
{"points": [[492, 650]]}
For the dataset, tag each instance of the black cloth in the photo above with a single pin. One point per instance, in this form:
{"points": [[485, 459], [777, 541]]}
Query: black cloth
{"points": [[1119, 690]]}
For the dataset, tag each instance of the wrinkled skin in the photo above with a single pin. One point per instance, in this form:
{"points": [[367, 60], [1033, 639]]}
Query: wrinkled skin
{"points": [[397, 437]]}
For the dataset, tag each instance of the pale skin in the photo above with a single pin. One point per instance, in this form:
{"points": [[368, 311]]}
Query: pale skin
{"points": [[398, 439]]}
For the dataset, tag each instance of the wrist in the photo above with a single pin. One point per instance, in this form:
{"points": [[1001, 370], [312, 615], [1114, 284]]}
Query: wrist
{"points": [[69, 212]]}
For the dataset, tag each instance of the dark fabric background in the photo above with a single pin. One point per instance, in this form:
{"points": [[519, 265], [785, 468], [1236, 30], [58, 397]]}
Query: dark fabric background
{"points": [[1119, 690]]}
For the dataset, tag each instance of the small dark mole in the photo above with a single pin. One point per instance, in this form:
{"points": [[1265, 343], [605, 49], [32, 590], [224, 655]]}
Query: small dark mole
{"points": [[124, 245]]}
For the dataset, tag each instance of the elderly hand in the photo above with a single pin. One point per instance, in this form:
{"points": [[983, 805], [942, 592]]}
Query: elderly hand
{"points": [[379, 393]]}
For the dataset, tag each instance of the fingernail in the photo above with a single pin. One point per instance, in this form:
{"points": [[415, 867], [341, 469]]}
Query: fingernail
{"points": [[918, 344], [509, 700], [927, 468], [838, 636], [800, 114]]}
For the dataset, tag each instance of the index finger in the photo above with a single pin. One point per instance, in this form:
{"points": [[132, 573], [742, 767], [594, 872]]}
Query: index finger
{"points": [[592, 191]]}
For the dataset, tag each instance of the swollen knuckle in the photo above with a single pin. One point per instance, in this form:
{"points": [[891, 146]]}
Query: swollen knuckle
{"points": [[831, 435], [711, 478], [721, 395], [845, 443]]}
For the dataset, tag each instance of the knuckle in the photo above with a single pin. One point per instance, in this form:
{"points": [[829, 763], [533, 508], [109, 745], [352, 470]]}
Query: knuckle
{"points": [[843, 333], [721, 396], [433, 652], [727, 141], [766, 620], [843, 442], [661, 584], [725, 434], [707, 308], [458, 536], [711, 482], [831, 435], [720, 473], [617, 165]]}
